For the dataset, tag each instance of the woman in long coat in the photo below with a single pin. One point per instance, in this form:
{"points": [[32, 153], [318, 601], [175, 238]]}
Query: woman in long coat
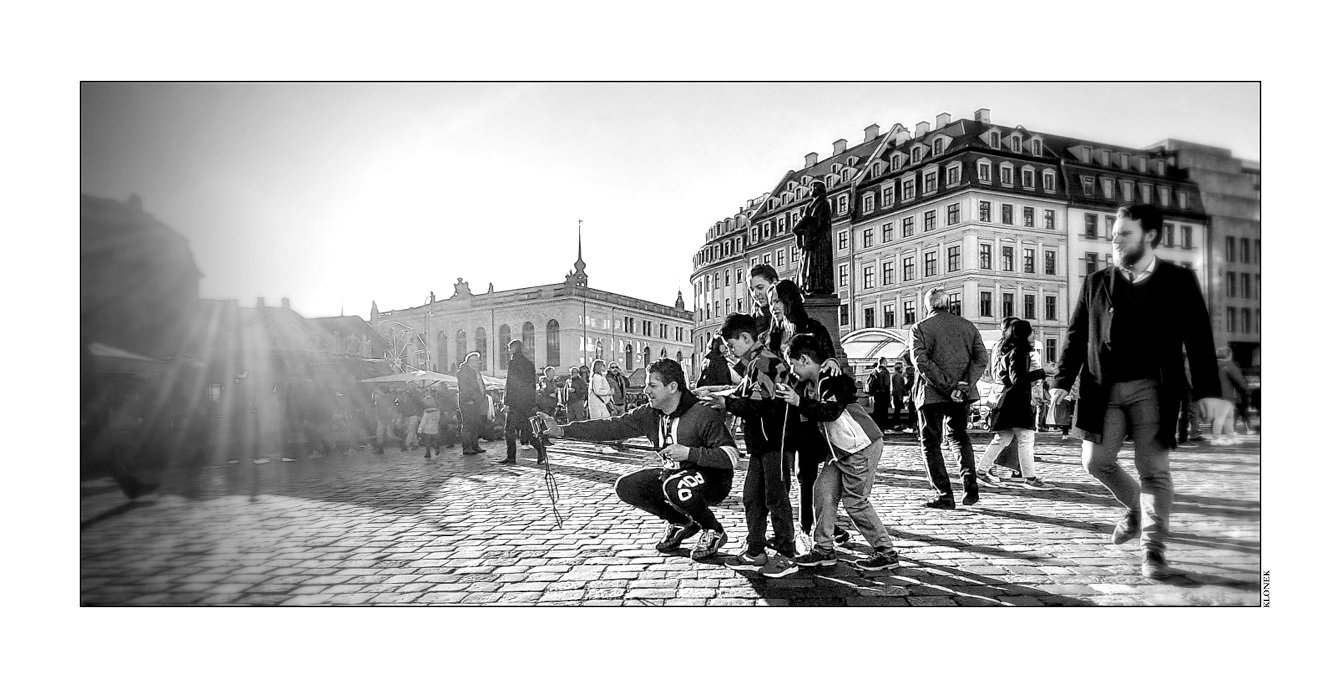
{"points": [[1013, 418]]}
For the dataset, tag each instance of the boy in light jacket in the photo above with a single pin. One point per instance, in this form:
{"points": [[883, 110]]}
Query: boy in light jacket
{"points": [[827, 401]]}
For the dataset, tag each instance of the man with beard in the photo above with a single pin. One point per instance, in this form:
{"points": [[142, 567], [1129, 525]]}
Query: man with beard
{"points": [[1125, 342]]}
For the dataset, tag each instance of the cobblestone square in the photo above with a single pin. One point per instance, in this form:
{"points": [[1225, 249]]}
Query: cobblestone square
{"points": [[363, 529]]}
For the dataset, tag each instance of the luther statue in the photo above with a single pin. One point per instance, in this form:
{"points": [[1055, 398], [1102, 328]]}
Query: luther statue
{"points": [[814, 236]]}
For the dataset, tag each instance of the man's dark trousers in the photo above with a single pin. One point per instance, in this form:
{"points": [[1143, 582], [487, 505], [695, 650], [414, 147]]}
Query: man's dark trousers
{"points": [[932, 417], [881, 403], [517, 423]]}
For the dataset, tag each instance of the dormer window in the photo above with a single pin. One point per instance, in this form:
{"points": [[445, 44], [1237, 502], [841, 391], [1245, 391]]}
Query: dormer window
{"points": [[995, 139], [1128, 190], [1085, 154], [952, 174], [1182, 199], [1124, 161], [847, 175], [1159, 167], [1015, 144], [897, 162], [938, 146], [929, 180], [1164, 196], [1007, 174], [1146, 190], [1027, 177], [842, 204], [984, 172], [1140, 165], [917, 155], [1105, 158], [1087, 186], [1049, 181], [868, 202], [1107, 185], [1038, 148]]}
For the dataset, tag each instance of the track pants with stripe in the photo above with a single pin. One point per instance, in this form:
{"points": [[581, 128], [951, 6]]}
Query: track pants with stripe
{"points": [[678, 497]]}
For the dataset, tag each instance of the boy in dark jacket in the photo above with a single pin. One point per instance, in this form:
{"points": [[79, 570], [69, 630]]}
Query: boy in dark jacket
{"points": [[848, 471], [764, 419], [698, 459]]}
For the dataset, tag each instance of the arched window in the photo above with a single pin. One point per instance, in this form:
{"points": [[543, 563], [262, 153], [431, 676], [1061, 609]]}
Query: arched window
{"points": [[679, 357], [504, 338], [482, 345], [663, 354], [460, 347], [628, 356], [600, 349], [528, 341], [647, 356], [552, 342], [443, 350]]}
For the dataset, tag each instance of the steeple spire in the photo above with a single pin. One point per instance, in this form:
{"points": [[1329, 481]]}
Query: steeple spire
{"points": [[579, 274]]}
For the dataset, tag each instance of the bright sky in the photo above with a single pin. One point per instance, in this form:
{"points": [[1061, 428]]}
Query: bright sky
{"points": [[340, 194]]}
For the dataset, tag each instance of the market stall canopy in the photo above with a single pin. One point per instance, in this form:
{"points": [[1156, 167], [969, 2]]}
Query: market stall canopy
{"points": [[416, 376], [865, 347], [114, 360], [494, 383]]}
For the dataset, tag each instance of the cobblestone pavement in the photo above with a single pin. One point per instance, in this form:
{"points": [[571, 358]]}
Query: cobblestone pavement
{"points": [[395, 529]]}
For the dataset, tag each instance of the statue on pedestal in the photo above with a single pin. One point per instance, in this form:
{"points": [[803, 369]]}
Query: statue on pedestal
{"points": [[814, 236]]}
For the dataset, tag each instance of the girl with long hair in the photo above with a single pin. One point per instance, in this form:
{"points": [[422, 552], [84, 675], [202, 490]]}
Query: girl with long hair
{"points": [[1013, 418]]}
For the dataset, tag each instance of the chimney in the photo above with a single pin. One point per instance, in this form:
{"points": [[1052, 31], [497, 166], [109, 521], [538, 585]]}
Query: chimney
{"points": [[984, 115], [812, 159], [284, 303], [942, 120], [922, 128], [260, 302], [839, 146], [872, 132]]}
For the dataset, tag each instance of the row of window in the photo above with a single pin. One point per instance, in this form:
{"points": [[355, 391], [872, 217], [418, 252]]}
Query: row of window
{"points": [[929, 183], [1125, 160], [1241, 284], [908, 225], [986, 301], [1236, 250], [663, 330], [1128, 188], [953, 263], [1240, 321]]}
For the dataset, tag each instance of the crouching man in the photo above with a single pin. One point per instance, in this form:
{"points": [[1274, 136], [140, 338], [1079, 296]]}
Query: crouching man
{"points": [[698, 459]]}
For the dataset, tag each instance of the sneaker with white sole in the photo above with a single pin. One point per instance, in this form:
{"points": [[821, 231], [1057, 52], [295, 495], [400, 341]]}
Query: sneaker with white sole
{"points": [[709, 543], [817, 558], [879, 561], [747, 561], [779, 566], [987, 478], [675, 535], [1036, 483]]}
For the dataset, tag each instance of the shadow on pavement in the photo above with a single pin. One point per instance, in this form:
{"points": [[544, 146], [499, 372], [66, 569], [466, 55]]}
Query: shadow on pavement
{"points": [[113, 512]]}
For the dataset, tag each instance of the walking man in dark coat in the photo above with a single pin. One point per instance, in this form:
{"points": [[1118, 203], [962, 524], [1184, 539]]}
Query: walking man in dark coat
{"points": [[520, 400], [949, 356], [1125, 342], [878, 386]]}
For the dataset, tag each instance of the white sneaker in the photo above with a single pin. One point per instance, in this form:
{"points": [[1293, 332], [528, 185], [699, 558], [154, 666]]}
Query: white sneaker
{"points": [[260, 461], [287, 459]]}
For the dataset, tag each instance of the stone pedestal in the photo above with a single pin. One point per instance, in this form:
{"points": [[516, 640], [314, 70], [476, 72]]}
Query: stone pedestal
{"points": [[825, 309]]}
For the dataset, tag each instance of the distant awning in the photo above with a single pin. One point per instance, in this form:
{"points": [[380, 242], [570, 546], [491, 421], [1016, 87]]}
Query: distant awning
{"points": [[419, 376], [865, 347]]}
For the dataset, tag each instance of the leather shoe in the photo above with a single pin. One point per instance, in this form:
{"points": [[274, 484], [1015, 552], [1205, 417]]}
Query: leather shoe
{"points": [[1154, 566], [970, 499], [944, 504], [508, 461], [1128, 527]]}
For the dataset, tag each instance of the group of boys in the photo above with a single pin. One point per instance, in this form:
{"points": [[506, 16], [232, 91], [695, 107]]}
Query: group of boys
{"points": [[780, 422]]}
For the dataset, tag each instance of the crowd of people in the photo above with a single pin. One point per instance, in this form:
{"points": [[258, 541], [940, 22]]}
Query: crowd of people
{"points": [[1137, 358]]}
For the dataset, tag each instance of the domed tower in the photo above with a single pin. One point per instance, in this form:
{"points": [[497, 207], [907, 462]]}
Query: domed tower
{"points": [[679, 300]]}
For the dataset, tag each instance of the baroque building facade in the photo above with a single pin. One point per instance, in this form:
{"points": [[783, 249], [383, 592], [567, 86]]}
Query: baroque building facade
{"points": [[565, 325], [1007, 220]]}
